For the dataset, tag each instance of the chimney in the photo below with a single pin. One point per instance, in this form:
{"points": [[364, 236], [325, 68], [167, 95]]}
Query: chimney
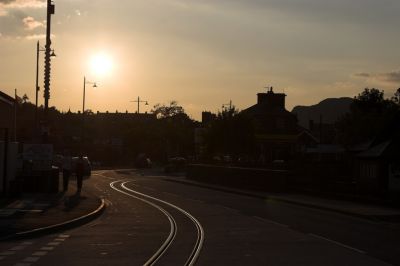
{"points": [[272, 100]]}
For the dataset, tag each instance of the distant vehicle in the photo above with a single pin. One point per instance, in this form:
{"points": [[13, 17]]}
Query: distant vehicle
{"points": [[87, 165]]}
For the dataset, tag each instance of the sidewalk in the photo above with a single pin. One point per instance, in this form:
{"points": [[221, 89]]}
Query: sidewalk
{"points": [[37, 214], [368, 211]]}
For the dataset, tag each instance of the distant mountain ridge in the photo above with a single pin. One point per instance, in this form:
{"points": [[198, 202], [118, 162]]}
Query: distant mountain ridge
{"points": [[329, 109]]}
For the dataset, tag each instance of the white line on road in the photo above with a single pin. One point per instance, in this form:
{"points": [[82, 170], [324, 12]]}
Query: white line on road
{"points": [[31, 259], [6, 253], [39, 253], [337, 243], [47, 248], [17, 248], [270, 221], [53, 243], [228, 208]]}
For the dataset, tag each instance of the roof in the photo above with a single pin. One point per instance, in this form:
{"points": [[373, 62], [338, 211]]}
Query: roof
{"points": [[277, 137], [6, 98], [306, 132], [326, 149], [375, 151], [261, 109]]}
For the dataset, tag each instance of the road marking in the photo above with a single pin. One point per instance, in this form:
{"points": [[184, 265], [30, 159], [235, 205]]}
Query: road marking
{"points": [[270, 221], [200, 231], [31, 259], [64, 236], [53, 243], [17, 248], [27, 243], [59, 239], [40, 253], [337, 243], [6, 253], [228, 208], [47, 248]]}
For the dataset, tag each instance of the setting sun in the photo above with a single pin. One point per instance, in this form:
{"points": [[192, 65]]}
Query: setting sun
{"points": [[101, 64]]}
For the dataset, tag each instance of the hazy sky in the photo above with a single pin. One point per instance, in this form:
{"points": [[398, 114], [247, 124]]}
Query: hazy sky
{"points": [[202, 53]]}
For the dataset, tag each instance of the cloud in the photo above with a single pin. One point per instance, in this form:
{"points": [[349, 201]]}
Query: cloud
{"points": [[388, 77], [30, 23], [5, 5], [362, 75], [38, 36]]}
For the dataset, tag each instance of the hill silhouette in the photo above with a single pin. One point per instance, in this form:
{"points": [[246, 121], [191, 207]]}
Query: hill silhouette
{"points": [[330, 109]]}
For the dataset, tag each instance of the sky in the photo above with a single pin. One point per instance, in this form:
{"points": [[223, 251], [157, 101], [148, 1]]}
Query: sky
{"points": [[201, 53]]}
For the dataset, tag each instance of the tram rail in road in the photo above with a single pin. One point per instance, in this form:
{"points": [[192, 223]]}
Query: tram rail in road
{"points": [[150, 200]]}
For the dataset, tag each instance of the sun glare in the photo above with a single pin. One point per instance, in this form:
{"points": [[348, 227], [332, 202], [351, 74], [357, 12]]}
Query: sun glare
{"points": [[101, 64]]}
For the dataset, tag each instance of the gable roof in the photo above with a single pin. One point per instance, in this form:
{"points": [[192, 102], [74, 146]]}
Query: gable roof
{"points": [[6, 98]]}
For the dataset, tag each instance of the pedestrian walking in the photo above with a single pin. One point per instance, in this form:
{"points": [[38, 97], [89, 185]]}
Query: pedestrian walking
{"points": [[80, 170], [66, 169]]}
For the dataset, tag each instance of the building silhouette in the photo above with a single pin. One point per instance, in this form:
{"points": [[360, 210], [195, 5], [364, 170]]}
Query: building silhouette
{"points": [[275, 128]]}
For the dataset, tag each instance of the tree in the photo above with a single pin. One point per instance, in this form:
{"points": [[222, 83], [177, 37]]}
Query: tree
{"points": [[230, 133], [396, 97], [164, 111], [369, 113]]}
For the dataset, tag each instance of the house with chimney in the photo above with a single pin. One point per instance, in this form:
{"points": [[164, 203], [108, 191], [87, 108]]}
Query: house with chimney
{"points": [[276, 128]]}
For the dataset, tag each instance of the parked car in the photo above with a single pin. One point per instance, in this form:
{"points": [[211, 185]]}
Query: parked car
{"points": [[87, 165]]}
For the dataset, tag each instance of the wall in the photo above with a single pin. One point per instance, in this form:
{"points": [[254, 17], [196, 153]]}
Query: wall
{"points": [[243, 178], [11, 163]]}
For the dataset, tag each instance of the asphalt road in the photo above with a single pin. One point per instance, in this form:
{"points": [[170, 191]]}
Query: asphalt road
{"points": [[155, 221]]}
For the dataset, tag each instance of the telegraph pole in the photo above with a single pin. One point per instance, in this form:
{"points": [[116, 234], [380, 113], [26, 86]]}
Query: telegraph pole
{"points": [[47, 59], [138, 101]]}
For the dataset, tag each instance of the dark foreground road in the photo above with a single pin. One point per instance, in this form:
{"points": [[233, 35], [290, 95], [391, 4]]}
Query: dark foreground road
{"points": [[155, 221]]}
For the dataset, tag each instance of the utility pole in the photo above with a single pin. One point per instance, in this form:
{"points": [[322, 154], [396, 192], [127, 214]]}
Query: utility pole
{"points": [[47, 59], [37, 85], [138, 101]]}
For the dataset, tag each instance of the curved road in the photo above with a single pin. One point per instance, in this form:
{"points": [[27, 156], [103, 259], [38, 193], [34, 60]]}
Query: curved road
{"points": [[152, 220]]}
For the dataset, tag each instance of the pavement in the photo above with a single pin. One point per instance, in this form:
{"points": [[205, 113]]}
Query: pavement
{"points": [[37, 214], [368, 211]]}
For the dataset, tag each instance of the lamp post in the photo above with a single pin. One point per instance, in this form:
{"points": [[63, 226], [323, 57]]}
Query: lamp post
{"points": [[138, 101], [39, 49], [84, 91], [83, 105]]}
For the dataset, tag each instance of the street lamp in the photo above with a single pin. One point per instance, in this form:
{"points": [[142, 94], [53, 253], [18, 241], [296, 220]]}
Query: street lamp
{"points": [[84, 91], [138, 101], [39, 49]]}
